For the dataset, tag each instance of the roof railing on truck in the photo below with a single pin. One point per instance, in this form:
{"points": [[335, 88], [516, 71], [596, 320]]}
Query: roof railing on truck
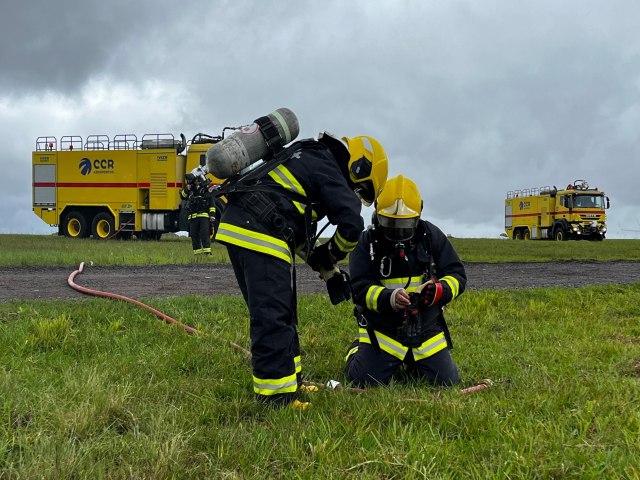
{"points": [[102, 142], [526, 192]]}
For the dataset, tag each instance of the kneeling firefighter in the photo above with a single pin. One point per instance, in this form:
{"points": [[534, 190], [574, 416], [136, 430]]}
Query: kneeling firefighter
{"points": [[403, 272], [272, 213]]}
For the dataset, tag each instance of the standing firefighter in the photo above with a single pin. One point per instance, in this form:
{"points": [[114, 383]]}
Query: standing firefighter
{"points": [[403, 272], [265, 223], [201, 212]]}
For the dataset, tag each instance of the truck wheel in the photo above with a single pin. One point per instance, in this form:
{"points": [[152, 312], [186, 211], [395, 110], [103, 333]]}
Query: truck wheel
{"points": [[75, 225], [103, 226], [527, 235], [517, 235], [560, 234]]}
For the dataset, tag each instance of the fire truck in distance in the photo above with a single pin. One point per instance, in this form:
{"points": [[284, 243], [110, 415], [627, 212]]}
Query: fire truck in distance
{"points": [[121, 186], [576, 212]]}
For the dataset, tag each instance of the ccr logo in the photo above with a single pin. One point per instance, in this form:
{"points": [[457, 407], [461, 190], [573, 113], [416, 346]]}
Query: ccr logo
{"points": [[85, 166]]}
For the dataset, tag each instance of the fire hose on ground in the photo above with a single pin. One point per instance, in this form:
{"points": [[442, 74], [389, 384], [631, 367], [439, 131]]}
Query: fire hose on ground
{"points": [[307, 385]]}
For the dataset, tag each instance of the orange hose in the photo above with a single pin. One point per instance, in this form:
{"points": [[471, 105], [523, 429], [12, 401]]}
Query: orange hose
{"points": [[99, 293]]}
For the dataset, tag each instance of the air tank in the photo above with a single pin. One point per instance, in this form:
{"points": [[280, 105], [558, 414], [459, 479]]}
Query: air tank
{"points": [[248, 145]]}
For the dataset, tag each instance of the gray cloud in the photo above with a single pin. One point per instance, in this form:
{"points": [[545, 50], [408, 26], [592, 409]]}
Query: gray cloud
{"points": [[471, 99]]}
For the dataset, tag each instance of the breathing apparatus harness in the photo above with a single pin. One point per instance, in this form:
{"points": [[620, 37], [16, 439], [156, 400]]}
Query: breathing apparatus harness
{"points": [[415, 319], [253, 196]]}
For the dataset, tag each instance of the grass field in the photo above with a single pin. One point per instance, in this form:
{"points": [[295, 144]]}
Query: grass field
{"points": [[18, 250], [100, 389]]}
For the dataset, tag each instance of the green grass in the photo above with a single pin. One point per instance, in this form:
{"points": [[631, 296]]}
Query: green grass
{"points": [[16, 250], [98, 388]]}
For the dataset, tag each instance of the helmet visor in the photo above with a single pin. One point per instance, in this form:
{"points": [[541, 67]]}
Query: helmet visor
{"points": [[398, 229], [365, 192]]}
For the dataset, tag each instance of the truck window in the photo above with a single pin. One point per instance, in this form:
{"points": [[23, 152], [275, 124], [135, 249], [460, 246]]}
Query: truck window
{"points": [[589, 201]]}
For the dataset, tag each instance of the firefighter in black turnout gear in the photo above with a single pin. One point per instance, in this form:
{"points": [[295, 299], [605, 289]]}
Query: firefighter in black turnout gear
{"points": [[201, 210], [265, 224], [403, 272]]}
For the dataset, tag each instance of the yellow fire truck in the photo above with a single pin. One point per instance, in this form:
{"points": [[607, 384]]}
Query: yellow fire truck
{"points": [[118, 186], [576, 212]]}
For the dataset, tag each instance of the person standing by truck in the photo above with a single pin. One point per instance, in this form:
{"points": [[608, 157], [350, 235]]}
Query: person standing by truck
{"points": [[201, 211]]}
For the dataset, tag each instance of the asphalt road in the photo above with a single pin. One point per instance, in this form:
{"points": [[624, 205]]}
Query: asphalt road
{"points": [[161, 281]]}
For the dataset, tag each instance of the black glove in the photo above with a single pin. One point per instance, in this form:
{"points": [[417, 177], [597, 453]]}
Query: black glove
{"points": [[338, 287], [321, 258]]}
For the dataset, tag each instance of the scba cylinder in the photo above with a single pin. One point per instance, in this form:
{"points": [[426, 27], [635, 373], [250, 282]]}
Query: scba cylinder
{"points": [[248, 145]]}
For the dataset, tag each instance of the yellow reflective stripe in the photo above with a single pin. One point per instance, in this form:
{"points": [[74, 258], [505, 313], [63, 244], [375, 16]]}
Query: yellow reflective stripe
{"points": [[393, 283], [258, 242], [283, 177], [273, 386], [387, 344], [298, 363], [198, 215], [212, 209], [372, 297], [430, 347], [351, 352], [343, 244], [453, 283]]}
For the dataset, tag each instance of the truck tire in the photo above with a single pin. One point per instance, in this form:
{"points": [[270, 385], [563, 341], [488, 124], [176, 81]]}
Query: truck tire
{"points": [[559, 234], [103, 226], [75, 225], [526, 235], [517, 235]]}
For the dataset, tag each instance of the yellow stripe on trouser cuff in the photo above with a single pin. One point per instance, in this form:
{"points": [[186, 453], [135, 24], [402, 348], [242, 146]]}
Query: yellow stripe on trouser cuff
{"points": [[454, 285], [298, 361], [430, 347], [387, 344], [274, 386], [393, 283], [343, 245], [372, 297], [255, 241]]}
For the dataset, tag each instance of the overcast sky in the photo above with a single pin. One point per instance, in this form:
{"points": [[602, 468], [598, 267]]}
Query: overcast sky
{"points": [[469, 98]]}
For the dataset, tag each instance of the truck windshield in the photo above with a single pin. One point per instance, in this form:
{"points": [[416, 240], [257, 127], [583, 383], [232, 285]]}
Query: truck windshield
{"points": [[589, 201]]}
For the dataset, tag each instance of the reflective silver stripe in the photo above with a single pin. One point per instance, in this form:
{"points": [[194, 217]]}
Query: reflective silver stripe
{"points": [[372, 297], [387, 344], [273, 386], [251, 240], [430, 347], [453, 283], [394, 283]]}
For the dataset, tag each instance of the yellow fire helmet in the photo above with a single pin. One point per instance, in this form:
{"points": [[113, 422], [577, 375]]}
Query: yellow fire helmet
{"points": [[368, 167], [398, 209]]}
